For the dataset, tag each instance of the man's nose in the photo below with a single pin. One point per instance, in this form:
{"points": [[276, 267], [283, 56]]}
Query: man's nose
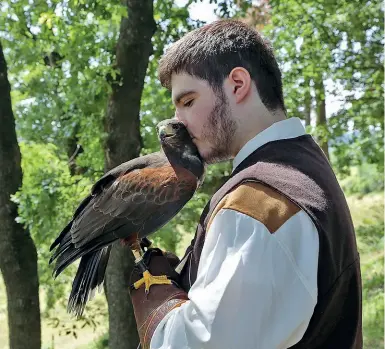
{"points": [[179, 117]]}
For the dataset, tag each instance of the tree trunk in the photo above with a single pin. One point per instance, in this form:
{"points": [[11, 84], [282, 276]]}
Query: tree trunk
{"points": [[124, 143], [74, 149], [18, 257], [321, 121]]}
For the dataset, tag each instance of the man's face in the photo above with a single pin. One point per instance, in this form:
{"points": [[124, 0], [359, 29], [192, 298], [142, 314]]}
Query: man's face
{"points": [[207, 116]]}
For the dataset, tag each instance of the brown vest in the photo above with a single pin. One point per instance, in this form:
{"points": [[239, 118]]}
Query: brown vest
{"points": [[298, 169]]}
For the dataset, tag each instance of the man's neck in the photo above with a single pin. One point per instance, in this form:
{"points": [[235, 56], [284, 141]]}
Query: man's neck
{"points": [[283, 129], [256, 125]]}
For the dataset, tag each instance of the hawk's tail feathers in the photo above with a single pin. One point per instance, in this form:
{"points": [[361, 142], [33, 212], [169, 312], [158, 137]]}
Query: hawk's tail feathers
{"points": [[89, 276]]}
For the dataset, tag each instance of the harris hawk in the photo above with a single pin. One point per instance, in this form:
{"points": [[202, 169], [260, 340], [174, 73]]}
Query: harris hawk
{"points": [[128, 203]]}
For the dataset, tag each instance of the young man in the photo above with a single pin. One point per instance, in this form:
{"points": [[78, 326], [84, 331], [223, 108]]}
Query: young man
{"points": [[274, 262]]}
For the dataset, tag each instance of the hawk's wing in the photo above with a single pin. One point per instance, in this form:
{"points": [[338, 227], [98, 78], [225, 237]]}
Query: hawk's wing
{"points": [[144, 198]]}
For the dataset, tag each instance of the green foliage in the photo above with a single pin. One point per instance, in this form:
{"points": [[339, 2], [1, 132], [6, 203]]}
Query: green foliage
{"points": [[94, 318], [100, 343], [46, 203], [61, 54], [339, 44], [363, 179]]}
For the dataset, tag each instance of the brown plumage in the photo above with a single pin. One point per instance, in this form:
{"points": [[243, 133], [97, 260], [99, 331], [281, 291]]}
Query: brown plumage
{"points": [[129, 202]]}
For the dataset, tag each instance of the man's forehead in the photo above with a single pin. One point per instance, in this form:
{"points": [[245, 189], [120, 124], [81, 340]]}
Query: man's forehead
{"points": [[185, 82], [181, 78]]}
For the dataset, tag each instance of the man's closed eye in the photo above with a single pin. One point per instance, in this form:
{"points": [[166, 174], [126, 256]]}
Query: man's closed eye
{"points": [[189, 103]]}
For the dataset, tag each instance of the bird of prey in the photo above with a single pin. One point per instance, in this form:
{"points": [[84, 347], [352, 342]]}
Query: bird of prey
{"points": [[128, 203]]}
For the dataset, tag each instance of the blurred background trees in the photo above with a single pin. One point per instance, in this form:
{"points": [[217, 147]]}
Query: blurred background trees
{"points": [[85, 97]]}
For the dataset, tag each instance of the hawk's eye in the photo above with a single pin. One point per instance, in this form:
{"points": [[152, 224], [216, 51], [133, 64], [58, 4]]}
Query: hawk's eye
{"points": [[175, 127]]}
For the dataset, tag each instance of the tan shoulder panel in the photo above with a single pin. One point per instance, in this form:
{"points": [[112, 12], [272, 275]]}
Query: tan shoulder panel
{"points": [[260, 202]]}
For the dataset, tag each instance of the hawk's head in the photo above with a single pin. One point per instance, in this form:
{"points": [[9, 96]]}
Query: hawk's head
{"points": [[179, 146]]}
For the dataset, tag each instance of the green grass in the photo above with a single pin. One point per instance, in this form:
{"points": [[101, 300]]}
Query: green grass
{"points": [[56, 338], [3, 315], [367, 212], [368, 217]]}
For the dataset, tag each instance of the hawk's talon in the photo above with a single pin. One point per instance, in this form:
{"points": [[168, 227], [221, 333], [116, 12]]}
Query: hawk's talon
{"points": [[148, 280]]}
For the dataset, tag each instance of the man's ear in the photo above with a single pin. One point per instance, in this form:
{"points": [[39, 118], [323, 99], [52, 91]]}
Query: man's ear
{"points": [[240, 82]]}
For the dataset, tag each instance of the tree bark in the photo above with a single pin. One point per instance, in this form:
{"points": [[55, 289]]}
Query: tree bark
{"points": [[18, 256], [74, 149], [123, 143], [321, 121]]}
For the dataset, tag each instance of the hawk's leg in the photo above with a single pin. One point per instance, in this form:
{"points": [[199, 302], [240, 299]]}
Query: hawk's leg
{"points": [[148, 280]]}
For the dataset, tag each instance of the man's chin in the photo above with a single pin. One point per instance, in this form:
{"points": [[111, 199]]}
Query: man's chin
{"points": [[213, 156], [204, 151]]}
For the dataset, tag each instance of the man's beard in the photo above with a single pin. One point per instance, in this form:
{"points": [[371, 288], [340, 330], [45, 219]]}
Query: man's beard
{"points": [[219, 131]]}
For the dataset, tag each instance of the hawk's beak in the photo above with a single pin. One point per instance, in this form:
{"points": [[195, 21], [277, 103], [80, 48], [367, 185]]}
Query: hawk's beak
{"points": [[165, 131]]}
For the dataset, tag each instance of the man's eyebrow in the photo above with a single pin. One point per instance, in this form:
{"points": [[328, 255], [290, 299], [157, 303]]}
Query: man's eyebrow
{"points": [[182, 94]]}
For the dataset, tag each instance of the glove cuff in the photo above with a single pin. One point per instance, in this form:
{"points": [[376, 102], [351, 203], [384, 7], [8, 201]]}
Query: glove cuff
{"points": [[151, 308], [147, 328]]}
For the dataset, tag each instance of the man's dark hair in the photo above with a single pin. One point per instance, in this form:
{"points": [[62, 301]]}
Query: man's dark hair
{"points": [[212, 51]]}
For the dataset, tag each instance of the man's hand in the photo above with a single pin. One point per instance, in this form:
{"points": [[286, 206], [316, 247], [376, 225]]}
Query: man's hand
{"points": [[151, 308]]}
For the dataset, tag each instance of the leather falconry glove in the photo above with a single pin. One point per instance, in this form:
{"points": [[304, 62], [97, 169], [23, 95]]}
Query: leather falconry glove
{"points": [[152, 307]]}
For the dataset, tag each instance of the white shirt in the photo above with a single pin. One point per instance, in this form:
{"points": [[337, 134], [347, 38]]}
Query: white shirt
{"points": [[253, 289]]}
